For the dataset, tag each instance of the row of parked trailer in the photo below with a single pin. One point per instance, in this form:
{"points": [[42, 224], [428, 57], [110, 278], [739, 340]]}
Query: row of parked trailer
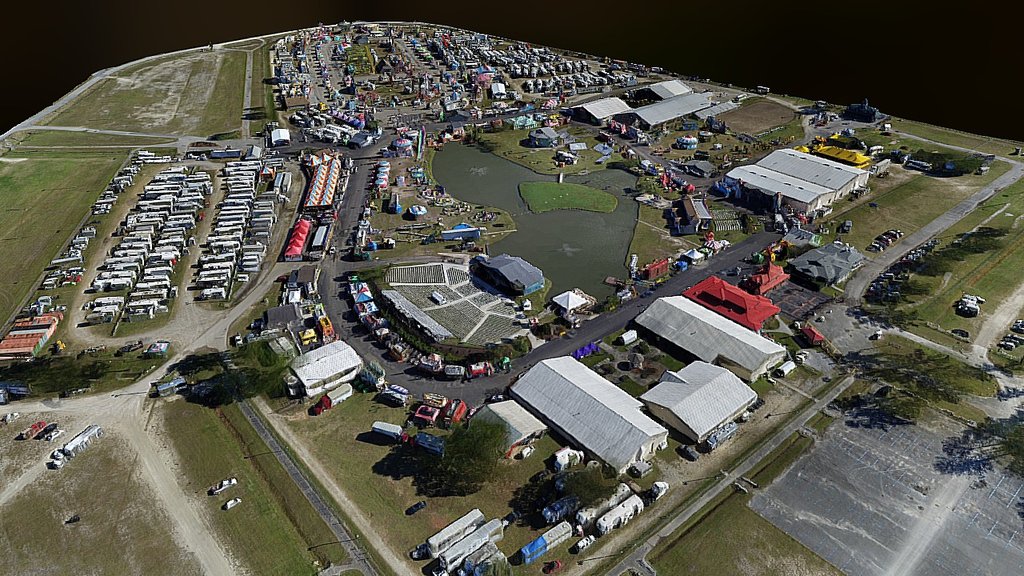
{"points": [[153, 237], [124, 178], [241, 231]]}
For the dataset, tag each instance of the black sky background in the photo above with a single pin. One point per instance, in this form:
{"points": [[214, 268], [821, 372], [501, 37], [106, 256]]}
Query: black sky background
{"points": [[958, 66]]}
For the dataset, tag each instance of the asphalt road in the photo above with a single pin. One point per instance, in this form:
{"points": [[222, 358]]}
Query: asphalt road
{"points": [[474, 391]]}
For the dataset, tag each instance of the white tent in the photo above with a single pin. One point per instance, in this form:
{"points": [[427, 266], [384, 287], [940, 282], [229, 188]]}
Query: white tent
{"points": [[569, 300], [694, 255]]}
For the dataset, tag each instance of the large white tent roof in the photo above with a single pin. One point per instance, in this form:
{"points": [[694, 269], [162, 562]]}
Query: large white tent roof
{"points": [[703, 396], [591, 410], [324, 363], [706, 334], [569, 300]]}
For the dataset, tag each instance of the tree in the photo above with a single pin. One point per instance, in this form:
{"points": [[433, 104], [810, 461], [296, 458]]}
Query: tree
{"points": [[470, 458], [901, 406], [591, 485]]}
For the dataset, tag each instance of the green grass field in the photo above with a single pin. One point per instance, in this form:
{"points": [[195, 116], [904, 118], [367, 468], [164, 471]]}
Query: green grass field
{"points": [[906, 201], [977, 142], [121, 531], [199, 93], [45, 195], [728, 538], [545, 196], [50, 138], [100, 372], [993, 274], [508, 144], [275, 525], [379, 480]]}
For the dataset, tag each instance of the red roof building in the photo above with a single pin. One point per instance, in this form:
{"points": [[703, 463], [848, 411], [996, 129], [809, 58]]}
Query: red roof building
{"points": [[767, 278], [28, 336], [813, 335], [732, 302]]}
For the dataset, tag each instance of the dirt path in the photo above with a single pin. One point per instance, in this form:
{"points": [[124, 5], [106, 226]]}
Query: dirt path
{"points": [[192, 531], [921, 536], [276, 421], [21, 482]]}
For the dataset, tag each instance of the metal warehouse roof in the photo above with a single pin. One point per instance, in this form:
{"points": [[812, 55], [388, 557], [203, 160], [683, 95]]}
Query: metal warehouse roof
{"points": [[703, 396], [706, 334], [772, 182], [810, 168], [677, 107], [716, 110], [517, 420], [605, 107], [669, 89], [831, 263], [591, 410], [324, 363], [412, 311]]}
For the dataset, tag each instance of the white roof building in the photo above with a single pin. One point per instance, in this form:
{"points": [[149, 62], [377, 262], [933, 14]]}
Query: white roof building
{"points": [[590, 411], [669, 89], [802, 194], [521, 426], [280, 137], [326, 367], [711, 337], [664, 111], [808, 182], [604, 108], [698, 399]]}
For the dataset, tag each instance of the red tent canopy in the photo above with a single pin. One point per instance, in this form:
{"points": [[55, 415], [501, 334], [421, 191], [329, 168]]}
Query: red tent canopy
{"points": [[297, 241]]}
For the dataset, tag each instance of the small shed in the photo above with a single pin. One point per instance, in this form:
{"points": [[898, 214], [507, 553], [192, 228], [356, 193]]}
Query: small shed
{"points": [[813, 336], [522, 427]]}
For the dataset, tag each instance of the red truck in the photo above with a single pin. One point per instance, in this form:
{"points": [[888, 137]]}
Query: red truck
{"points": [[480, 369], [331, 398], [455, 412], [33, 430]]}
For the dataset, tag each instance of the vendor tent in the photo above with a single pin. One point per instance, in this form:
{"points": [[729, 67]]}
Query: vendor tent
{"points": [[569, 300]]}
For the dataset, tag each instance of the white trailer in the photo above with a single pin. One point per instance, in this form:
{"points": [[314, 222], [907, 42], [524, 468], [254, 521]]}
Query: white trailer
{"points": [[620, 515], [454, 532]]}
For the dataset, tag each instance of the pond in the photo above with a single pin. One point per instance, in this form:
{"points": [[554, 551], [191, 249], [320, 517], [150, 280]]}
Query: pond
{"points": [[574, 248]]}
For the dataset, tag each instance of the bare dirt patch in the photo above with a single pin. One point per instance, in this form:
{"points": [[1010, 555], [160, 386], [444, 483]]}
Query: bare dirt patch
{"points": [[758, 116], [120, 532]]}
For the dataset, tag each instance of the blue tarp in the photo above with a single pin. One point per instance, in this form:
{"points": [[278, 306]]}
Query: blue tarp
{"points": [[533, 550]]}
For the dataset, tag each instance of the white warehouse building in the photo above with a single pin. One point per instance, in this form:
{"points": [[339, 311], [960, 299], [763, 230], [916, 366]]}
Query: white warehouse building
{"points": [[324, 368], [590, 411], [698, 399], [805, 181], [711, 337]]}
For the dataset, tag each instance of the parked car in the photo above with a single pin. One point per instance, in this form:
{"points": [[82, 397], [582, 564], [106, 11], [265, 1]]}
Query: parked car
{"points": [[415, 507], [960, 333]]}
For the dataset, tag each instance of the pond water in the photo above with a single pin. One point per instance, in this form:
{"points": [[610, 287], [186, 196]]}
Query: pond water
{"points": [[574, 248]]}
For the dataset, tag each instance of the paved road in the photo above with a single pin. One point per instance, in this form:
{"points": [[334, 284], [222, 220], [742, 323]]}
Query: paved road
{"points": [[475, 391], [637, 560], [357, 558]]}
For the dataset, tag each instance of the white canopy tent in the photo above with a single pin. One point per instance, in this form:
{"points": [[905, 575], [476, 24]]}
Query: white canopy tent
{"points": [[569, 300]]}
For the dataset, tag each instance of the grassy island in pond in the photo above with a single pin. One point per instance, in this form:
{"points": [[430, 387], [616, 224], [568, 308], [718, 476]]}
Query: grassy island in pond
{"points": [[546, 196]]}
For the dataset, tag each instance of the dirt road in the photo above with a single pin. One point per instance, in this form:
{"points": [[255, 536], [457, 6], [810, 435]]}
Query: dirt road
{"points": [[394, 563]]}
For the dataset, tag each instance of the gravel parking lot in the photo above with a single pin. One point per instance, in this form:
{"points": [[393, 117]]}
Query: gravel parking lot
{"points": [[884, 499]]}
